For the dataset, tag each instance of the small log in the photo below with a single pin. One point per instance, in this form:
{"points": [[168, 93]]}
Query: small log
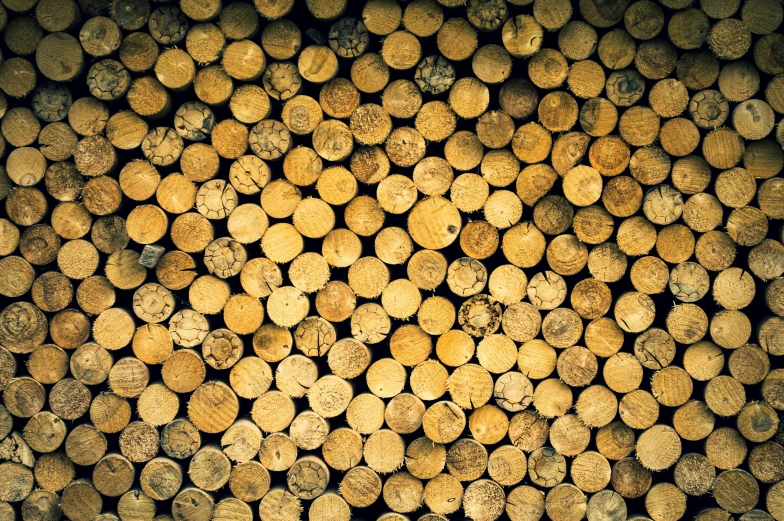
{"points": [[192, 503], [113, 475], [81, 501], [209, 468], [180, 439], [231, 508], [59, 57], [158, 405], [726, 448], [100, 36], [85, 445], [249, 481]]}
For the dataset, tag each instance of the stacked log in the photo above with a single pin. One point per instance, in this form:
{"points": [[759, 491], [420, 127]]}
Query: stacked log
{"points": [[393, 260]]}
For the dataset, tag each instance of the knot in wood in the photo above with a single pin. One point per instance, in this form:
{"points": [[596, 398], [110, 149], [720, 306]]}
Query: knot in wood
{"points": [[188, 328], [370, 323], [282, 80], [466, 276], [222, 348], [654, 348], [153, 303], [546, 467], [348, 37], [314, 336], [162, 146], [269, 139], [547, 290], [108, 80], [435, 74], [513, 391], [51, 101], [487, 15], [225, 257], [168, 25], [308, 478], [216, 199], [194, 120], [480, 315], [625, 87], [709, 109]]}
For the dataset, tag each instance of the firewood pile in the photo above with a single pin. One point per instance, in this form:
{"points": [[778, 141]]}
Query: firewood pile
{"points": [[391, 260]]}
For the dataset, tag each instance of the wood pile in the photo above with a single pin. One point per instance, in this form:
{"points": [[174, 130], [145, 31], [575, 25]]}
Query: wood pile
{"points": [[415, 260]]}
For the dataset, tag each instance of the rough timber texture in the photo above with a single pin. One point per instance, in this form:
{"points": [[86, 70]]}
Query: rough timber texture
{"points": [[391, 260]]}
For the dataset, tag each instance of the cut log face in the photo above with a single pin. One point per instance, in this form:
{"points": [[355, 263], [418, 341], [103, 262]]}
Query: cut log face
{"points": [[392, 260]]}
